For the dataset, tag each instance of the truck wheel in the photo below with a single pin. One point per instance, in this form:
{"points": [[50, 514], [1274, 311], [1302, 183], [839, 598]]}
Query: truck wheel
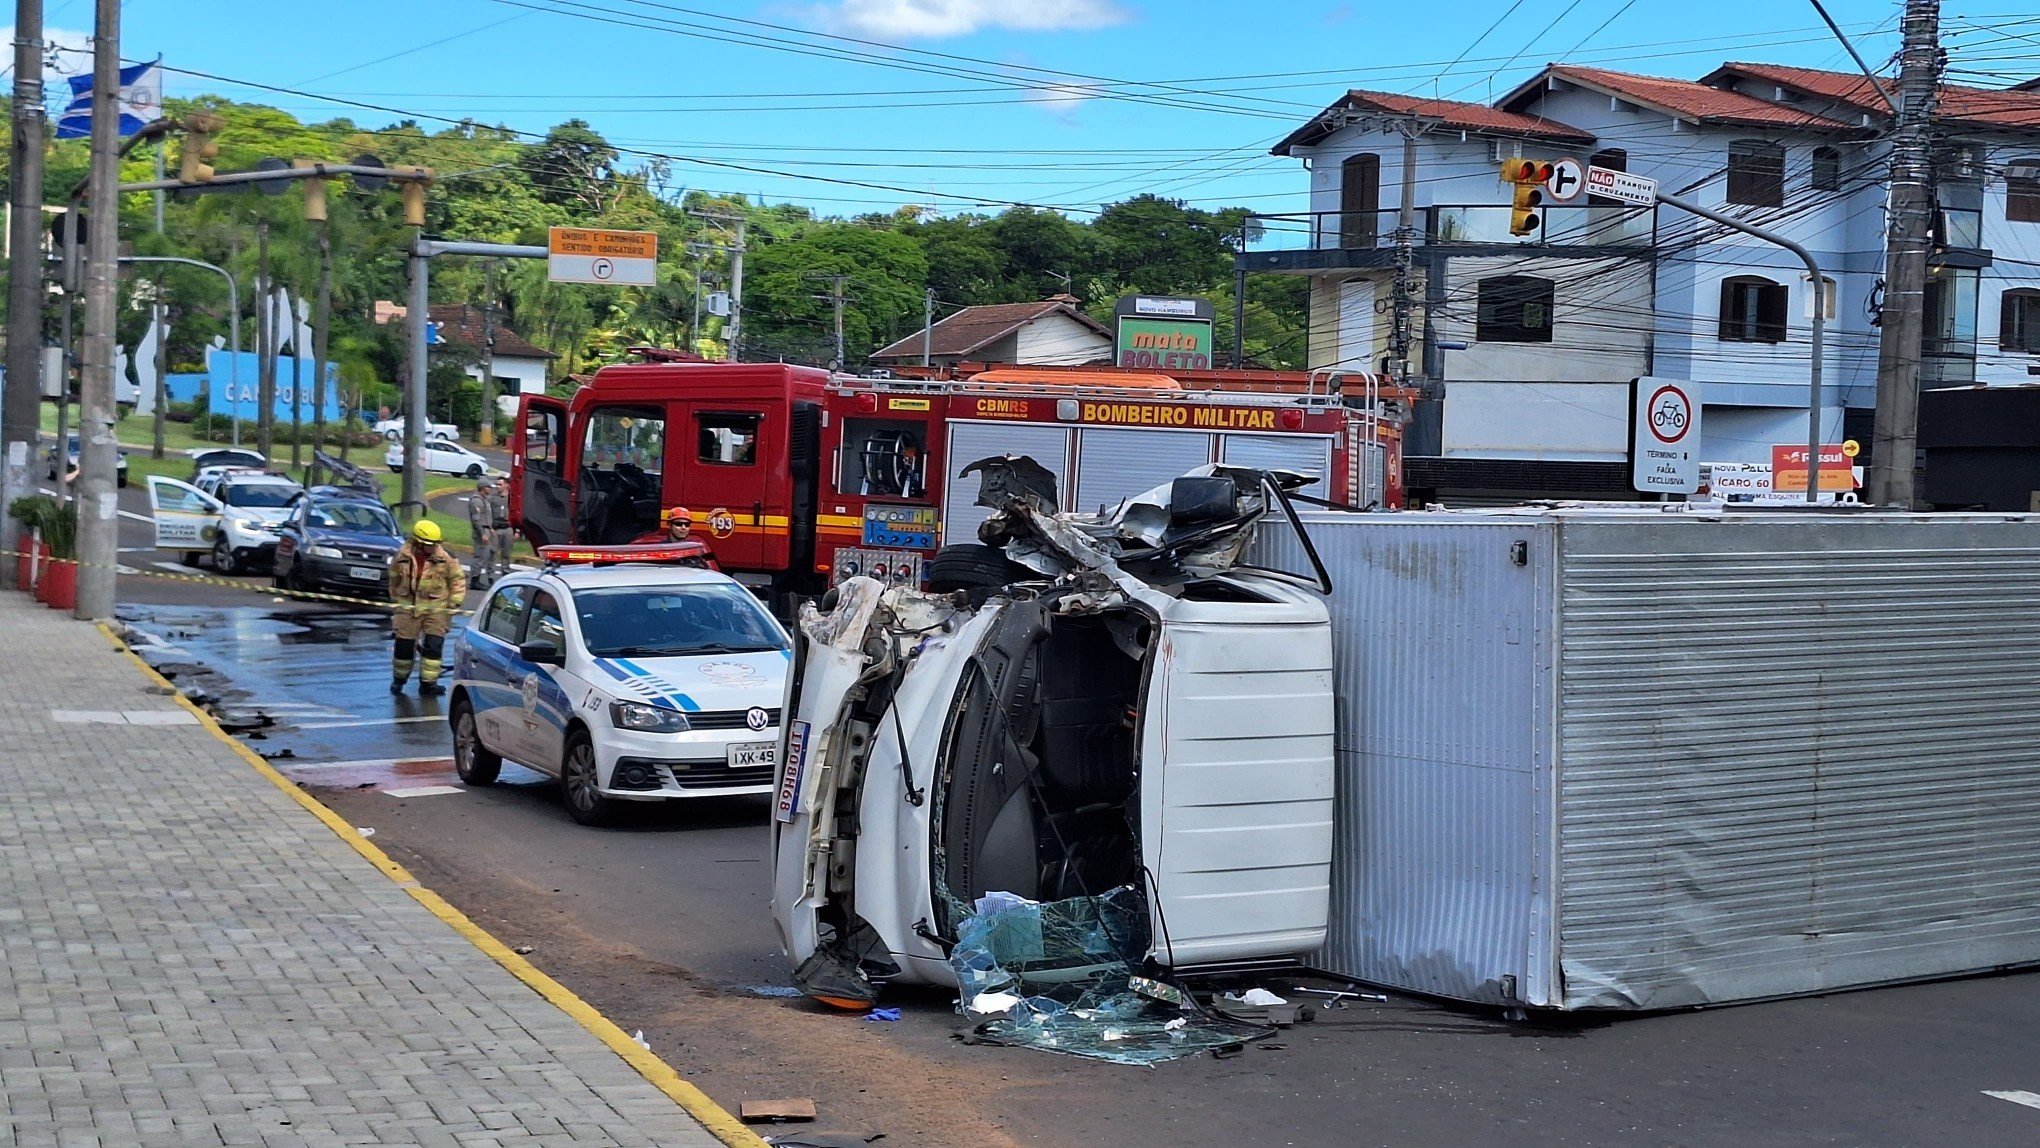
{"points": [[973, 568]]}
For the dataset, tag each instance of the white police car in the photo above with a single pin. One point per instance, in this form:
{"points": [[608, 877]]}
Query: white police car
{"points": [[627, 680]]}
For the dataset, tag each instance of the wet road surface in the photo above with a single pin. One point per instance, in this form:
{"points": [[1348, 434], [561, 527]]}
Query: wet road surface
{"points": [[662, 924]]}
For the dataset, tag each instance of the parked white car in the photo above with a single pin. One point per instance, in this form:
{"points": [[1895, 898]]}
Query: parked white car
{"points": [[630, 682], [393, 430], [441, 457]]}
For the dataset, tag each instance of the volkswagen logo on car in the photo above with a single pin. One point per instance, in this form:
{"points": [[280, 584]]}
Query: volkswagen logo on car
{"points": [[757, 718]]}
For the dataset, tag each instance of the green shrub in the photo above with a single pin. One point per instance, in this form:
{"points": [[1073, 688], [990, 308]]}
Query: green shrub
{"points": [[57, 521]]}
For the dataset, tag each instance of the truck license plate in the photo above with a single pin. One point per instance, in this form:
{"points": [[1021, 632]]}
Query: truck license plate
{"points": [[752, 753], [364, 573]]}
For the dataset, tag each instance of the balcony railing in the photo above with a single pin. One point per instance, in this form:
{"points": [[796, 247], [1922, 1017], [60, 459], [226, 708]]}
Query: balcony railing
{"points": [[1571, 225]]}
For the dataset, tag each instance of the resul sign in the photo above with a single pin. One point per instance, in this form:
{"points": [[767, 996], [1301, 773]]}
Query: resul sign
{"points": [[607, 258], [1664, 442]]}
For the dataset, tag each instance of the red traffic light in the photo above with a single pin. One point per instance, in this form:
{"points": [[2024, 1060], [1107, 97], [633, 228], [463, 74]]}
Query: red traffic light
{"points": [[1525, 171]]}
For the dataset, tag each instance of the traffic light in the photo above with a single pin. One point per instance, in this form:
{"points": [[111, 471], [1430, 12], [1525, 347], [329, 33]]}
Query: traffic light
{"points": [[315, 193], [193, 165], [1528, 176], [414, 196]]}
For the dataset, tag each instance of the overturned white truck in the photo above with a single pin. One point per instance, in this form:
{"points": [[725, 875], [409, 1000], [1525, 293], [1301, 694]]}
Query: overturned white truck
{"points": [[1110, 710]]}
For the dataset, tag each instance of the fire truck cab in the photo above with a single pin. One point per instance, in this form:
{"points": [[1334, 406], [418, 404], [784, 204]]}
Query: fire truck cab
{"points": [[796, 477]]}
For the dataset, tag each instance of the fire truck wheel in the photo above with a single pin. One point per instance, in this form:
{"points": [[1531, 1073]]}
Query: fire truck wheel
{"points": [[974, 569]]}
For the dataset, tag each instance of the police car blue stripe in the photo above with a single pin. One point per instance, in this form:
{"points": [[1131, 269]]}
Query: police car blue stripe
{"points": [[633, 674]]}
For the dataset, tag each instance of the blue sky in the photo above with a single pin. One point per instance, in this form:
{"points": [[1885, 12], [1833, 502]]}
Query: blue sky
{"points": [[1067, 103]]}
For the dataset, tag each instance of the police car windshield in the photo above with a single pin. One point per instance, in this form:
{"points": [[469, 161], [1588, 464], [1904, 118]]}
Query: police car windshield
{"points": [[652, 622], [262, 494]]}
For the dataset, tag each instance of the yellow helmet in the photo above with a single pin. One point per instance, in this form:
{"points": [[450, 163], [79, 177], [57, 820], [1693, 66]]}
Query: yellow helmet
{"points": [[426, 531]]}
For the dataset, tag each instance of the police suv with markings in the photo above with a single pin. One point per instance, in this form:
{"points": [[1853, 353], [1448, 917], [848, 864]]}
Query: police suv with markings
{"points": [[627, 672]]}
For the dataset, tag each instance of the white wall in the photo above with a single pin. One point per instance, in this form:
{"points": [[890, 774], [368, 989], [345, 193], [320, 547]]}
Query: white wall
{"points": [[524, 376], [1058, 340], [1572, 422], [1601, 322]]}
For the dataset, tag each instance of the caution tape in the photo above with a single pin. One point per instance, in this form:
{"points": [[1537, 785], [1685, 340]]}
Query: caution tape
{"points": [[124, 571]]}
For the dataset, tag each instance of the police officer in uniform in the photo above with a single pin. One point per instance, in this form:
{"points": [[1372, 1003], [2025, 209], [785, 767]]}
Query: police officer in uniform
{"points": [[489, 518], [427, 585]]}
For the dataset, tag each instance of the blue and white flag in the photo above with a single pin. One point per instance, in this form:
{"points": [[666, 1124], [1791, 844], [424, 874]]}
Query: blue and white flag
{"points": [[140, 101]]}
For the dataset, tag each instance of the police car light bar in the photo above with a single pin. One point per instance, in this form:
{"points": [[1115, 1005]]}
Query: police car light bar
{"points": [[657, 553]]}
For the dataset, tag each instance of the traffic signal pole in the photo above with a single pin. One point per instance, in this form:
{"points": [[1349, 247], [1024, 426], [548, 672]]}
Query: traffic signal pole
{"points": [[1819, 336]]}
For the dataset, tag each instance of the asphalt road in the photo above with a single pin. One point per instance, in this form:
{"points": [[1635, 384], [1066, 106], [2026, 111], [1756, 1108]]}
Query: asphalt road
{"points": [[662, 924]]}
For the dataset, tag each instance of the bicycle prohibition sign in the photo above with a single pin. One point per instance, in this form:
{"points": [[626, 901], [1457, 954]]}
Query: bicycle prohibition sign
{"points": [[1670, 415]]}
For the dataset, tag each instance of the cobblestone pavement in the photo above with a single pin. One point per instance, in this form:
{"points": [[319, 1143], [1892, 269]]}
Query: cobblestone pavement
{"points": [[189, 956]]}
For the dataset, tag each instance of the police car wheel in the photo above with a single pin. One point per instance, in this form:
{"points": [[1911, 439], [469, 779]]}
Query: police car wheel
{"points": [[578, 784], [472, 760], [223, 559]]}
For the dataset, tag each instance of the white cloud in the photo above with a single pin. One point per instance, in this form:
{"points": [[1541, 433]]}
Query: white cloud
{"points": [[1060, 100], [69, 53], [941, 19]]}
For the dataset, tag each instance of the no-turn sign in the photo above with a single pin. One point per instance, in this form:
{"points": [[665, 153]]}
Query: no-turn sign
{"points": [[1664, 443]]}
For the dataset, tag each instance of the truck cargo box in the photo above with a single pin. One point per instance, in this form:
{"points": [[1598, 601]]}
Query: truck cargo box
{"points": [[1651, 758]]}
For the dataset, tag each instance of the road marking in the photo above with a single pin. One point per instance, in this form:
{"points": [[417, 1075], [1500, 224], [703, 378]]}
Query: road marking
{"points": [[424, 791], [295, 766], [368, 722], [2029, 1099]]}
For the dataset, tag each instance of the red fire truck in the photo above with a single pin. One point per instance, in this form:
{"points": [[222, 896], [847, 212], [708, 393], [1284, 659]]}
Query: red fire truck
{"points": [[796, 477]]}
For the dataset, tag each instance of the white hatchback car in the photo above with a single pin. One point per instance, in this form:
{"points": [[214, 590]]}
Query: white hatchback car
{"points": [[628, 682], [441, 457]]}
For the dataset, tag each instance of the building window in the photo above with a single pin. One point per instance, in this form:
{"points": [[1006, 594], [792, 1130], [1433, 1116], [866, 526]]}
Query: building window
{"points": [[1827, 297], [1752, 310], [1756, 173], [1359, 200], [2022, 191], [1827, 169], [1515, 309], [2019, 321]]}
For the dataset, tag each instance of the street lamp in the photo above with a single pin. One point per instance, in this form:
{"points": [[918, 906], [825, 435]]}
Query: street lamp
{"points": [[233, 327]]}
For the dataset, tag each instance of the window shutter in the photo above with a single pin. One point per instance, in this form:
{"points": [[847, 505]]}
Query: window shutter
{"points": [[1731, 326], [1771, 313]]}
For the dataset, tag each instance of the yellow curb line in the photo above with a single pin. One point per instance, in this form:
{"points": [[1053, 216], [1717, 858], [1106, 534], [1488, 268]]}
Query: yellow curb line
{"points": [[712, 1116]]}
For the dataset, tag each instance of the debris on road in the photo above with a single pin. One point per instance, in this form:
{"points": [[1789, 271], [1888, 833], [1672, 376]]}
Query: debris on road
{"points": [[773, 1111]]}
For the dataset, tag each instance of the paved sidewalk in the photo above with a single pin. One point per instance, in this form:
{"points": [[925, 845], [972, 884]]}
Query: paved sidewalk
{"points": [[188, 956]]}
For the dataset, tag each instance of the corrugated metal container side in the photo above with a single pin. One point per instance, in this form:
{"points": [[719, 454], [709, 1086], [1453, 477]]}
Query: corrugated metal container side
{"points": [[1440, 880], [1797, 754]]}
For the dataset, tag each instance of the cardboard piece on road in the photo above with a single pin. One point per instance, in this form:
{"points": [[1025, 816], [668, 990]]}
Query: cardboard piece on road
{"points": [[602, 257], [768, 1111]]}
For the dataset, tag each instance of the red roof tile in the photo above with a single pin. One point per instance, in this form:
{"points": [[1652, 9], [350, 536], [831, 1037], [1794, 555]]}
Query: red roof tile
{"points": [[461, 323], [1685, 99], [1985, 107], [1455, 114], [973, 327]]}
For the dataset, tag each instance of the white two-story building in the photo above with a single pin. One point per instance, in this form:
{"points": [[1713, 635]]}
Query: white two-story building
{"points": [[1528, 344]]}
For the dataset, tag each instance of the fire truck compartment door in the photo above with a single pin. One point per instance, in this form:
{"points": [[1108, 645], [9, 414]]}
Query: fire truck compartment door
{"points": [[729, 453], [1307, 454], [1113, 465], [968, 442], [538, 480]]}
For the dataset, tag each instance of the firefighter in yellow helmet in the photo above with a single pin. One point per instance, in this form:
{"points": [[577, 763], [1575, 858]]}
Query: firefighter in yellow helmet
{"points": [[428, 585]]}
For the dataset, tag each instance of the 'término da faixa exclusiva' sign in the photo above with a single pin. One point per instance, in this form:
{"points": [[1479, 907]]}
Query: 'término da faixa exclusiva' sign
{"points": [[1161, 334]]}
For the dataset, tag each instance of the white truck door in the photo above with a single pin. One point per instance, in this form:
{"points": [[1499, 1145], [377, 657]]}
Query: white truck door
{"points": [[187, 518], [1237, 779]]}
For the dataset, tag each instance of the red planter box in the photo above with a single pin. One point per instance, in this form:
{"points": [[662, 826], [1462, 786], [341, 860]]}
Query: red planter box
{"points": [[58, 586]]}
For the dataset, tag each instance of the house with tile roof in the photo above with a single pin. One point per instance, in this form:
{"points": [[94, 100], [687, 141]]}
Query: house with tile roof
{"points": [[1527, 344], [1053, 332]]}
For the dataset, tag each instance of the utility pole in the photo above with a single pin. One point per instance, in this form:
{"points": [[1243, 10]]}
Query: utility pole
{"points": [[734, 328], [21, 405], [419, 318], [1405, 286], [928, 327], [835, 298], [486, 435], [1907, 241], [71, 276], [160, 316], [98, 503]]}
